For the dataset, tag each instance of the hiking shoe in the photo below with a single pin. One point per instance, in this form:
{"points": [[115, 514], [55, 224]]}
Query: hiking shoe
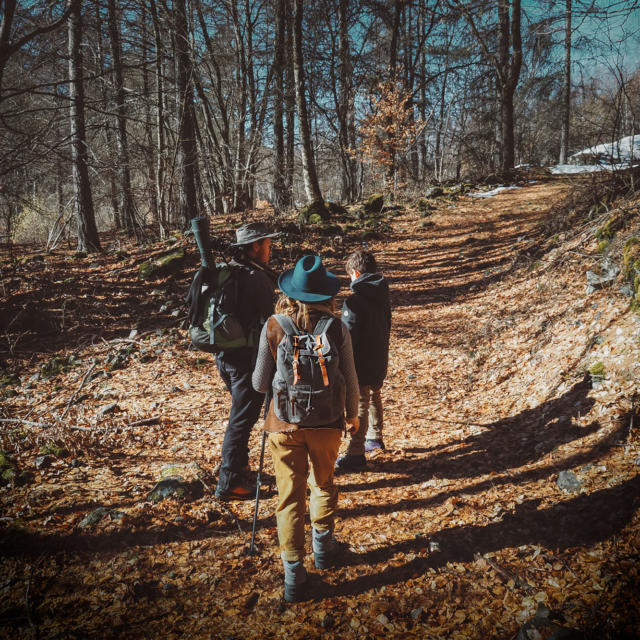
{"points": [[295, 581], [351, 462], [327, 552], [239, 492], [374, 445]]}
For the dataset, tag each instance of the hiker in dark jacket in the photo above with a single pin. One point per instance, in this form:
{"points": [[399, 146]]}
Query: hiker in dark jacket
{"points": [[256, 298], [306, 455], [367, 314]]}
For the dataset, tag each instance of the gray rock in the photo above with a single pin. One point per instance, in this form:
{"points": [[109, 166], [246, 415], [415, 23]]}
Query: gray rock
{"points": [[637, 461], [568, 481], [609, 272], [42, 462], [94, 517], [416, 614], [433, 192], [626, 290], [169, 487]]}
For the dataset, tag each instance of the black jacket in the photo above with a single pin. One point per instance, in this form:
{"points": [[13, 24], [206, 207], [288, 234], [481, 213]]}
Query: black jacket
{"points": [[367, 315]]}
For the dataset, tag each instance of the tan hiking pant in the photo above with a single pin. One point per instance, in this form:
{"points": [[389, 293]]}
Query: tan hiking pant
{"points": [[371, 419], [301, 458]]}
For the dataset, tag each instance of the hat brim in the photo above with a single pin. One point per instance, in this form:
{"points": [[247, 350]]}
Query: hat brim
{"points": [[331, 286], [257, 239]]}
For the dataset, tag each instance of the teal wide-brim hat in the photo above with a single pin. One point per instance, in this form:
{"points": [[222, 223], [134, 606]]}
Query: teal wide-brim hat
{"points": [[309, 281]]}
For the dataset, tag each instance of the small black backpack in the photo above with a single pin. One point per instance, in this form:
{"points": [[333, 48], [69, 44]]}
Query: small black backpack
{"points": [[308, 386], [213, 302]]}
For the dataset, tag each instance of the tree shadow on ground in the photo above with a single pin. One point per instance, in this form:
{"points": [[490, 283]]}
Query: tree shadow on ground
{"points": [[580, 521], [501, 446]]}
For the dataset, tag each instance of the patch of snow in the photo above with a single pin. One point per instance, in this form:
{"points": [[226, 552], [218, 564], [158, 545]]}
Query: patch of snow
{"points": [[493, 192], [608, 156]]}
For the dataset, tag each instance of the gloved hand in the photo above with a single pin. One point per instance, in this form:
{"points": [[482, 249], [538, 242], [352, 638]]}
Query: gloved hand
{"points": [[353, 424]]}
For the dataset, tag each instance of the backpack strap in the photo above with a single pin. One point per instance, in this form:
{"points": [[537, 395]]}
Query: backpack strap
{"points": [[322, 326], [291, 330]]}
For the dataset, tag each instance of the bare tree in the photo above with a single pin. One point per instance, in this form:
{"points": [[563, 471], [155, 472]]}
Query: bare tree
{"points": [[311, 183], [566, 87], [8, 46], [88, 239]]}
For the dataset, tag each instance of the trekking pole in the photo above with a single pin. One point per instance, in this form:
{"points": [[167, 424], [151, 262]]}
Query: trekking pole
{"points": [[259, 478]]}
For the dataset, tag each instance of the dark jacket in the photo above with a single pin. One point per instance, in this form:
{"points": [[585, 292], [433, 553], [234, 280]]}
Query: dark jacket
{"points": [[367, 314]]}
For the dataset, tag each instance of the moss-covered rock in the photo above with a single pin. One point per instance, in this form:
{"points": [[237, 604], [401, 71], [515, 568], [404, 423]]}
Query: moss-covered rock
{"points": [[336, 209], [603, 245], [597, 372], [58, 365], [424, 205], [9, 379], [168, 264], [317, 207], [609, 229], [315, 218], [374, 204], [54, 449], [8, 470]]}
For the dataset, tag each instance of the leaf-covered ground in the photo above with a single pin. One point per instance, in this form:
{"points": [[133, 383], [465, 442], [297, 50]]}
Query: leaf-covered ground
{"points": [[458, 530]]}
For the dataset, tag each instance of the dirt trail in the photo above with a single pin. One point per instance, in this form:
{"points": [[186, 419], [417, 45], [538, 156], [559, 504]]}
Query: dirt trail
{"points": [[458, 530]]}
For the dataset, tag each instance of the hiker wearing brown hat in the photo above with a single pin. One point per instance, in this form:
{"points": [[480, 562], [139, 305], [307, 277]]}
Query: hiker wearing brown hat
{"points": [[305, 358], [256, 287]]}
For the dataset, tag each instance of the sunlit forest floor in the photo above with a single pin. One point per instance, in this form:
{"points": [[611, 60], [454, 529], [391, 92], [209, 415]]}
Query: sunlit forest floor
{"points": [[460, 529]]}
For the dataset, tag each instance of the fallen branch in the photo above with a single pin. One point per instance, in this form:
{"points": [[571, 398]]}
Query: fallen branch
{"points": [[506, 574], [139, 423], [42, 425]]}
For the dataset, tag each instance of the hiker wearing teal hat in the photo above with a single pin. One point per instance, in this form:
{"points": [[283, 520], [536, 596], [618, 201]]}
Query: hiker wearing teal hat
{"points": [[305, 358]]}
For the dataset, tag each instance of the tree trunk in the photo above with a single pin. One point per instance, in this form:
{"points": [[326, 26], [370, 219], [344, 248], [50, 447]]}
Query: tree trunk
{"points": [[124, 172], [509, 64], [88, 239], [148, 127], [290, 114], [346, 108], [279, 184], [107, 128], [160, 137], [566, 88], [187, 160], [311, 184]]}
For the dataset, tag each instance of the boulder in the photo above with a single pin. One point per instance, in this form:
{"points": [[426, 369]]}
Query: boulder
{"points": [[374, 204], [433, 192], [168, 264], [568, 481], [317, 207]]}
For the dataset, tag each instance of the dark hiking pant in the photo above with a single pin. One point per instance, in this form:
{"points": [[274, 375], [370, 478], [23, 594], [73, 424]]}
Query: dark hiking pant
{"points": [[235, 370]]}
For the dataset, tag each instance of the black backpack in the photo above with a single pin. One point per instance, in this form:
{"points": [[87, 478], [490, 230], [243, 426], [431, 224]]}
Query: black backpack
{"points": [[308, 386], [213, 298]]}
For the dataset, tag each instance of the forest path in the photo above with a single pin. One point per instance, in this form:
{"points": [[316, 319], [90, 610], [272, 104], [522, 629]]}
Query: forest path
{"points": [[458, 529]]}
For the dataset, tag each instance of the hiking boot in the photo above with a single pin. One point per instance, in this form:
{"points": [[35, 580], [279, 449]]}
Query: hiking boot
{"points": [[239, 492], [326, 549], [350, 462], [295, 581], [374, 445]]}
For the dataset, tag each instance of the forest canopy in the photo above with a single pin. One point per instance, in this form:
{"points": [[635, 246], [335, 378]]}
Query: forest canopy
{"points": [[132, 115]]}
